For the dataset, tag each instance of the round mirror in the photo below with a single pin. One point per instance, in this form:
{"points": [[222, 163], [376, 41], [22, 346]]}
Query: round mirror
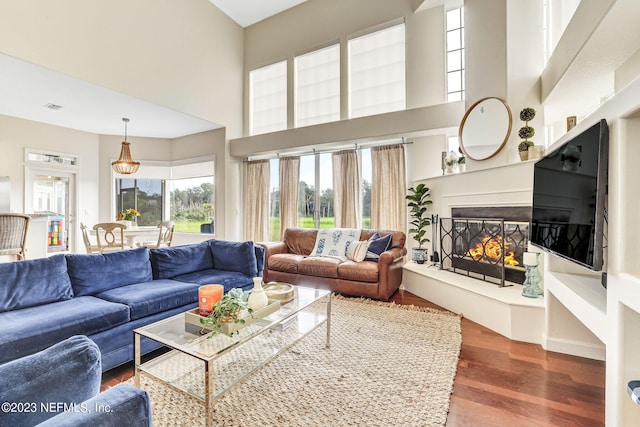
{"points": [[485, 128]]}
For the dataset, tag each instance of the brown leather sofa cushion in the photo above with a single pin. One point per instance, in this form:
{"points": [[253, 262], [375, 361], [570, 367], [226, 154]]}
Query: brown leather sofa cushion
{"points": [[365, 271], [284, 262], [300, 240], [320, 266]]}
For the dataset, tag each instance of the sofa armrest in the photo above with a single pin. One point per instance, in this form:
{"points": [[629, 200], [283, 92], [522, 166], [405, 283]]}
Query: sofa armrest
{"points": [[122, 405], [392, 255], [272, 248], [66, 373], [390, 267]]}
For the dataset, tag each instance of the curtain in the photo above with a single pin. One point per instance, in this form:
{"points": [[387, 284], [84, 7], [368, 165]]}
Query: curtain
{"points": [[257, 201], [289, 187], [388, 188], [346, 189]]}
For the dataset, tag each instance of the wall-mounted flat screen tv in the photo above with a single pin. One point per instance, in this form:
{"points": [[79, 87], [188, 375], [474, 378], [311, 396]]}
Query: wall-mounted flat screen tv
{"points": [[569, 189]]}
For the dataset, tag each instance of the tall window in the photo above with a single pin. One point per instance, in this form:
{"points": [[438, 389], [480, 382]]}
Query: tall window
{"points": [[317, 86], [268, 98], [182, 193], [377, 72], [455, 54], [366, 176], [274, 200]]}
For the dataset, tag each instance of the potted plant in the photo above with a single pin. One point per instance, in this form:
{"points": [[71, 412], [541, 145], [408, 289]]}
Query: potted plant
{"points": [[232, 308], [462, 161], [526, 132], [418, 202]]}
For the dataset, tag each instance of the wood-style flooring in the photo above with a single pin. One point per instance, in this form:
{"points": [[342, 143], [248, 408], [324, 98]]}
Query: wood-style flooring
{"points": [[500, 382]]}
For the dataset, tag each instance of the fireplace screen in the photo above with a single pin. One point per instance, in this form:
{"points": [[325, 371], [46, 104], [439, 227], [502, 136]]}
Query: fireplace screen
{"points": [[486, 249]]}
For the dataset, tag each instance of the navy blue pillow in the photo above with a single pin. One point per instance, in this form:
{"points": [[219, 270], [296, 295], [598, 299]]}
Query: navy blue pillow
{"points": [[377, 245], [234, 256]]}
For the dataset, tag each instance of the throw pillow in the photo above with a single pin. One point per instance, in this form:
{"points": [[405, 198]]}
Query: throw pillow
{"points": [[377, 245], [334, 241], [357, 251]]}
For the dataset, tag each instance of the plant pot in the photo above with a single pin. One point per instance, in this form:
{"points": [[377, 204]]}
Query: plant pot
{"points": [[535, 152], [524, 155], [419, 255]]}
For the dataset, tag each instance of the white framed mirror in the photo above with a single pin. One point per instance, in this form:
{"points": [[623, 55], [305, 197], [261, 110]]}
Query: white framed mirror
{"points": [[485, 128]]}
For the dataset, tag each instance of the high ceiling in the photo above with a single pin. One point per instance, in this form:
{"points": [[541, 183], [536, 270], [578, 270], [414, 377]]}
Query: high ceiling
{"points": [[26, 90]]}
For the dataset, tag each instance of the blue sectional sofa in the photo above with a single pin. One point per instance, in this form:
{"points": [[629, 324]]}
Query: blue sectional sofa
{"points": [[106, 296]]}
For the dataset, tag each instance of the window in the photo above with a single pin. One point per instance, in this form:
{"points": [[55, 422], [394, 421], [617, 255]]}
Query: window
{"points": [[317, 86], [377, 72], [143, 195], [455, 54], [268, 98], [274, 200], [366, 176], [183, 193]]}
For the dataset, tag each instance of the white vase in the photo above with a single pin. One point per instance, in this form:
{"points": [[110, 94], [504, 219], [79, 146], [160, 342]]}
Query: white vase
{"points": [[257, 298]]}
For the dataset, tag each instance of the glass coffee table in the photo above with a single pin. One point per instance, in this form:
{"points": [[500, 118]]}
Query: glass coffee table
{"points": [[205, 365]]}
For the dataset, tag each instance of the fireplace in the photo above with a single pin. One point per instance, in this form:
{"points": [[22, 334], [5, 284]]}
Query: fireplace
{"points": [[486, 243]]}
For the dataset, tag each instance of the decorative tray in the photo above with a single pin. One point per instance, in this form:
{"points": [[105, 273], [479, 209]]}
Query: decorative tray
{"points": [[193, 317], [279, 291]]}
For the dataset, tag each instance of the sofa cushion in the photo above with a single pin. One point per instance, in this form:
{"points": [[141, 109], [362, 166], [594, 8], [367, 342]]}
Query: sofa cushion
{"points": [[176, 260], [284, 262], [144, 299], [366, 271], [33, 329], [377, 245], [334, 241], [319, 266], [234, 256], [34, 282], [228, 279], [300, 241], [94, 273]]}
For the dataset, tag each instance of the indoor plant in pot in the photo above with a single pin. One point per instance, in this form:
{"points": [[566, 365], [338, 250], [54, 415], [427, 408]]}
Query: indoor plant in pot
{"points": [[418, 198], [526, 132], [232, 308]]}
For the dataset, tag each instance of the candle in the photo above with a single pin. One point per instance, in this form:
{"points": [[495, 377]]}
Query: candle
{"points": [[530, 258], [208, 295]]}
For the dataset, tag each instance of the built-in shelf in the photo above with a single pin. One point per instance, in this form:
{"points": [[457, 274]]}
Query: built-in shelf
{"points": [[584, 297]]}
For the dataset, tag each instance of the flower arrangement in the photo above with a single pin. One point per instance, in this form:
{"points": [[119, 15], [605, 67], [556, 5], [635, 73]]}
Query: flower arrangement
{"points": [[229, 309], [128, 215]]}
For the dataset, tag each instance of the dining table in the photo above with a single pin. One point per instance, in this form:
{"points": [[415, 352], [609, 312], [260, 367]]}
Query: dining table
{"points": [[139, 234]]}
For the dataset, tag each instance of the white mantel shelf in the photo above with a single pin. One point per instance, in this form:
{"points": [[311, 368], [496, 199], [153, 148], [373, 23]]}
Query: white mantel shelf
{"points": [[501, 309]]}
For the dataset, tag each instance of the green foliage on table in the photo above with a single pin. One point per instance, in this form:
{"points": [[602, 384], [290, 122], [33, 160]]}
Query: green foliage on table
{"points": [[229, 309]]}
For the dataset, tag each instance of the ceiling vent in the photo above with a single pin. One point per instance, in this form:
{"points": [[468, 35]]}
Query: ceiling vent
{"points": [[52, 106]]}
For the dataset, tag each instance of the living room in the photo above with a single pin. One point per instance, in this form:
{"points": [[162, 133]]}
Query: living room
{"points": [[189, 57]]}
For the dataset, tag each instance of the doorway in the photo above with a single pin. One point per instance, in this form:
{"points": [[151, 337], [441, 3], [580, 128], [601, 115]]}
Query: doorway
{"points": [[52, 192]]}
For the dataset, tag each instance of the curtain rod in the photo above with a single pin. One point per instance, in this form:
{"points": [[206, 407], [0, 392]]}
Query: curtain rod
{"points": [[356, 146]]}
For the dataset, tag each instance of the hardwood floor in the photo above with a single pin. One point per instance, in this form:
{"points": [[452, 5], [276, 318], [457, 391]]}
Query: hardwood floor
{"points": [[500, 382]]}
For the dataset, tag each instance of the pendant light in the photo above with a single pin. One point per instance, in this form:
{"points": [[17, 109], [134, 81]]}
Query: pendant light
{"points": [[125, 164]]}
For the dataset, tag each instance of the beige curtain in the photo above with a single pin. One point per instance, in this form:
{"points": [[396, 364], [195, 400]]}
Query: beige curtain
{"points": [[257, 201], [346, 189], [388, 188], [289, 187]]}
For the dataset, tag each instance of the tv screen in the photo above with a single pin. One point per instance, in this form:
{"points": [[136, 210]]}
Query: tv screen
{"points": [[569, 189]]}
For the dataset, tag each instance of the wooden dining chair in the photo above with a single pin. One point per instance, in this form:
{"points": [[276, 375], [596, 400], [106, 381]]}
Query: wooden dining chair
{"points": [[91, 249], [110, 236], [13, 234], [165, 236]]}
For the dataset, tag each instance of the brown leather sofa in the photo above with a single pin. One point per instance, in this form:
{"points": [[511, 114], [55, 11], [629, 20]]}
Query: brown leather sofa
{"points": [[289, 261]]}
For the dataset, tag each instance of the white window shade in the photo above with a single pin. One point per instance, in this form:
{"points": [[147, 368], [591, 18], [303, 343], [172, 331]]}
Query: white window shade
{"points": [[377, 72], [268, 98], [317, 86]]}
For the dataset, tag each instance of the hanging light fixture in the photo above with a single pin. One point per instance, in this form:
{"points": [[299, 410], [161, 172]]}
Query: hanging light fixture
{"points": [[125, 164]]}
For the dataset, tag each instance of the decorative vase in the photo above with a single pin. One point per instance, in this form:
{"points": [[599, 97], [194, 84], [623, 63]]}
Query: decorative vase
{"points": [[127, 224], [419, 255], [532, 276], [257, 298], [462, 167], [535, 152], [524, 155]]}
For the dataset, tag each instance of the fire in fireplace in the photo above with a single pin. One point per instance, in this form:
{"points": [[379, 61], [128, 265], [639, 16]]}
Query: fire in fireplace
{"points": [[487, 248]]}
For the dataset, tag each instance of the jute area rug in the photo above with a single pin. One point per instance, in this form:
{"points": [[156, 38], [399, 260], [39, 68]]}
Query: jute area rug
{"points": [[388, 365]]}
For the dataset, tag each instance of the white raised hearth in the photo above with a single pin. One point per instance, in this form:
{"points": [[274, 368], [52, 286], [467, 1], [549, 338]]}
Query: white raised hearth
{"points": [[501, 309]]}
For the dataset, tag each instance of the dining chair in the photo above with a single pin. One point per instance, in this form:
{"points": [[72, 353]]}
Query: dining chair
{"points": [[110, 236], [13, 234], [91, 249], [165, 236]]}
